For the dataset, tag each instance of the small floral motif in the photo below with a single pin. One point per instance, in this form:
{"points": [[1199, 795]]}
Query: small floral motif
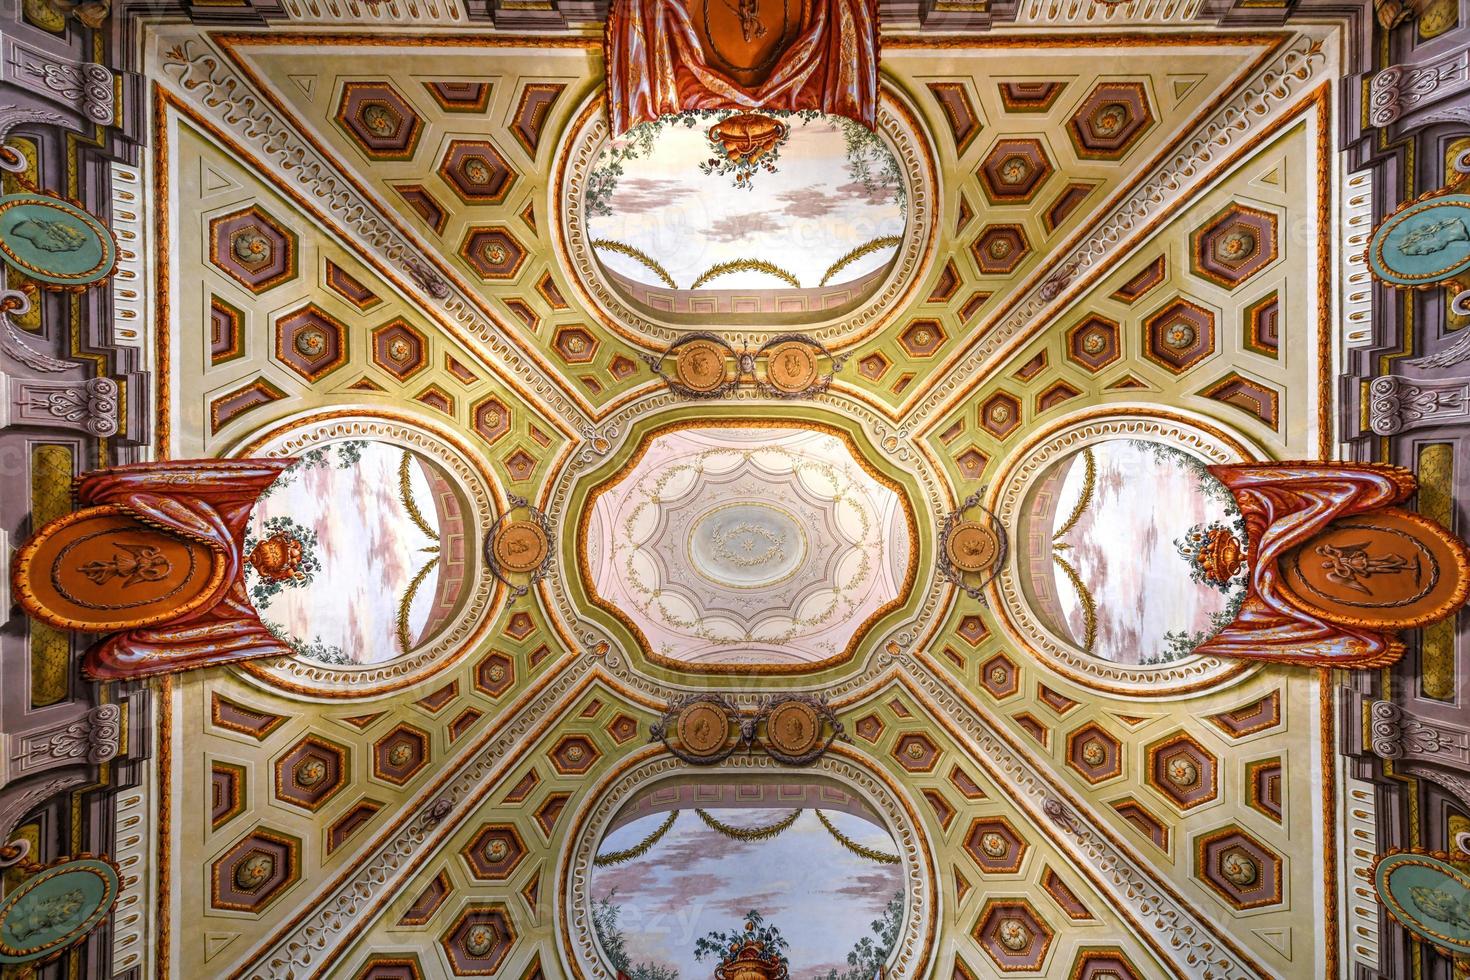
{"points": [[1239, 869], [1013, 935], [254, 871]]}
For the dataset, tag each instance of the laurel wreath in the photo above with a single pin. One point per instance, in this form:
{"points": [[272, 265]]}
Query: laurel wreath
{"points": [[854, 846], [1089, 605], [745, 265], [1089, 485], [610, 245], [866, 248], [639, 849], [748, 835]]}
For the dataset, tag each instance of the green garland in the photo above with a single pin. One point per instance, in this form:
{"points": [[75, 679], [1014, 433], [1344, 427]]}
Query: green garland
{"points": [[610, 245], [866, 248], [854, 846], [751, 835], [1089, 605], [405, 497], [746, 265], [1084, 499], [639, 849]]}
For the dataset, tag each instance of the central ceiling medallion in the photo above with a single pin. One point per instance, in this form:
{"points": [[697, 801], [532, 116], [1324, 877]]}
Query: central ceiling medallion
{"points": [[730, 547]]}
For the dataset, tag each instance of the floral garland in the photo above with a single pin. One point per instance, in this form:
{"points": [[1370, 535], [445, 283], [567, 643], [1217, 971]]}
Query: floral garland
{"points": [[749, 835], [263, 589], [639, 849], [854, 846]]}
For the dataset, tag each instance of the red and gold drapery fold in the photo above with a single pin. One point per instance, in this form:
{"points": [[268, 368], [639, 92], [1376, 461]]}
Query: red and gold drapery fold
{"points": [[208, 501], [662, 57], [1285, 505]]}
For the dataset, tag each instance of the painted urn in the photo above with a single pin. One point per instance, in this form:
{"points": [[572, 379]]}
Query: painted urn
{"points": [[749, 960], [277, 558], [748, 136]]}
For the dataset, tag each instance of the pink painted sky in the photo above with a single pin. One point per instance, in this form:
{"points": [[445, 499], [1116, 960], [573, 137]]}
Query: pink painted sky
{"points": [[369, 552]]}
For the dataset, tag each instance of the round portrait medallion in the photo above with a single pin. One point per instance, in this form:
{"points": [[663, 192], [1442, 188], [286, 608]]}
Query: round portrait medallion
{"points": [[100, 570], [520, 546], [972, 547], [700, 365], [1428, 896], [703, 729], [56, 908], [1390, 569], [794, 728], [53, 241], [791, 367], [1424, 244]]}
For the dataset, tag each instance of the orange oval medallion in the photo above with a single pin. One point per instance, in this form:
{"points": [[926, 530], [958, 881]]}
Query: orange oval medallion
{"points": [[100, 570], [1387, 570]]}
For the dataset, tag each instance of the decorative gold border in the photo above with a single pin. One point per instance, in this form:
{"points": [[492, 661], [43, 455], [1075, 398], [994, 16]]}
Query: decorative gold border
{"points": [[1094, 875], [388, 212], [1318, 98], [472, 347], [410, 810], [1394, 908], [588, 503]]}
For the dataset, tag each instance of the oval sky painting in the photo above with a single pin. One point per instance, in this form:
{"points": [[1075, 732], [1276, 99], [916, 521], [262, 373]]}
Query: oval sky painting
{"points": [[355, 554], [823, 204], [819, 885]]}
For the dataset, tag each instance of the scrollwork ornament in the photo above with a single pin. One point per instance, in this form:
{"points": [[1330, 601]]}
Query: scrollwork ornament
{"points": [[1396, 734]]}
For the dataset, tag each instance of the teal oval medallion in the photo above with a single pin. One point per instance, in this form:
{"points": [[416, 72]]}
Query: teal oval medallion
{"points": [[56, 908], [54, 242], [1427, 896], [1423, 244]]}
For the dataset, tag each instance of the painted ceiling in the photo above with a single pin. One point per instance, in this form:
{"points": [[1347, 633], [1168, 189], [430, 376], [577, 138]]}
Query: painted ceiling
{"points": [[1068, 240], [1077, 264]]}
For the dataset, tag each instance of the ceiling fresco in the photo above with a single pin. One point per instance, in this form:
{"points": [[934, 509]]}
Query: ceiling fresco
{"points": [[656, 490]]}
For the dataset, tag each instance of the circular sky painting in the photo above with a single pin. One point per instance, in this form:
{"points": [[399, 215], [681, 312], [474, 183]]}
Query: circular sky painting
{"points": [[355, 555], [689, 874], [1134, 552], [724, 200]]}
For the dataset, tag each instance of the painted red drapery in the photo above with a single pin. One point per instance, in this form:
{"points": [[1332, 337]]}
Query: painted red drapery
{"points": [[1284, 506], [208, 501], [656, 64]]}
